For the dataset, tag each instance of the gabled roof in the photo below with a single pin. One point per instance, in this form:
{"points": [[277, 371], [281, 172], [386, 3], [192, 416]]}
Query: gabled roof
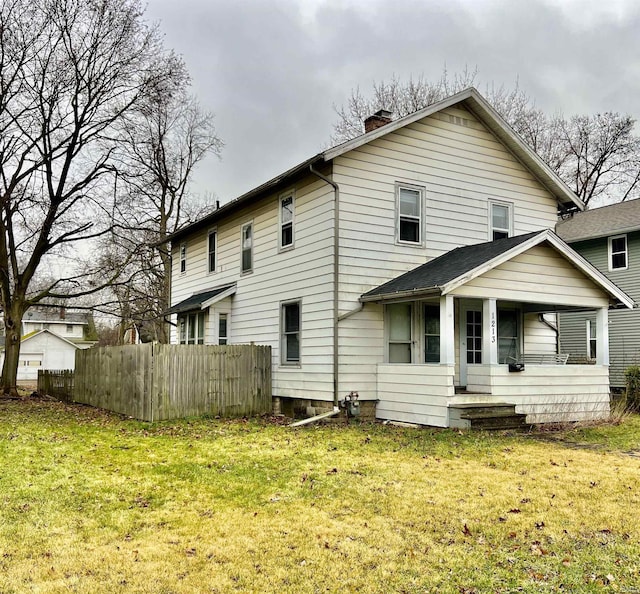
{"points": [[461, 265], [202, 300], [472, 101], [32, 335], [614, 219]]}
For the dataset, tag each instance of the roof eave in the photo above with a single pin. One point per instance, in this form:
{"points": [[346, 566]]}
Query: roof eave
{"points": [[401, 295]]}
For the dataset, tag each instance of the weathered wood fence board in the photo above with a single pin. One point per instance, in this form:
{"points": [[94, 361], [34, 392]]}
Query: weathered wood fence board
{"points": [[157, 382], [57, 383]]}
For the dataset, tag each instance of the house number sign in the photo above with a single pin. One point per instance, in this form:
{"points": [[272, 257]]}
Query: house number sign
{"points": [[493, 327]]}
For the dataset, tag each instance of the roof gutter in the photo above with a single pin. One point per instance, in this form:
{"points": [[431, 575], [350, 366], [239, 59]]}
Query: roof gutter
{"points": [[399, 295], [336, 262]]}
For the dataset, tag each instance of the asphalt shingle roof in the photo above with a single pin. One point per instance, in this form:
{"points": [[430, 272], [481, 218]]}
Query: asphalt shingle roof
{"points": [[449, 266], [195, 301], [600, 222]]}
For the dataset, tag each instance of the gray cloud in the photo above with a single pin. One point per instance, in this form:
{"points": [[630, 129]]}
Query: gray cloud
{"points": [[271, 71]]}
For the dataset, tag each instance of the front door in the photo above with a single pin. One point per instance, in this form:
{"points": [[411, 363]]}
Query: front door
{"points": [[470, 339]]}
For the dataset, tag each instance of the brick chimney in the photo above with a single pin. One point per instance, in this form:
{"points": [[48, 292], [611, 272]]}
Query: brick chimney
{"points": [[377, 120]]}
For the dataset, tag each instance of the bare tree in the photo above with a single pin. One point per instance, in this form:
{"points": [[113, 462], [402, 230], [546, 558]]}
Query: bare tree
{"points": [[598, 156], [166, 138], [70, 71]]}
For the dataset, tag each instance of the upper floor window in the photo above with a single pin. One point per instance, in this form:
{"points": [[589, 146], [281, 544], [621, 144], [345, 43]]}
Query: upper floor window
{"points": [[212, 242], [286, 221], [500, 220], [247, 248], [409, 208], [618, 254], [69, 328], [183, 257]]}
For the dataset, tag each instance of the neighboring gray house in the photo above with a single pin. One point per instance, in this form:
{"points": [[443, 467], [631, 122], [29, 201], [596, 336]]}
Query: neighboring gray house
{"points": [[609, 238]]}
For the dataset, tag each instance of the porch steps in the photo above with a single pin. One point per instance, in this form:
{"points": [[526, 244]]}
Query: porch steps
{"points": [[490, 416]]}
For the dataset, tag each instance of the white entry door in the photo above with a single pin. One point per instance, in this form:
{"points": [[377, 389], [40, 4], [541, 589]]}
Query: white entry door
{"points": [[470, 338]]}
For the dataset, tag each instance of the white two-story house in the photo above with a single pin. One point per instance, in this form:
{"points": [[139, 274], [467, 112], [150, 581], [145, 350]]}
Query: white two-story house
{"points": [[410, 265]]}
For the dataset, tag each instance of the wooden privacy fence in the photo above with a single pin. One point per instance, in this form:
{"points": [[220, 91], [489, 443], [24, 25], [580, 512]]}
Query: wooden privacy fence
{"points": [[56, 383], [154, 382]]}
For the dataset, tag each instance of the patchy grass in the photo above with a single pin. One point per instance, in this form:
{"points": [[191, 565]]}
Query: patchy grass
{"points": [[94, 503]]}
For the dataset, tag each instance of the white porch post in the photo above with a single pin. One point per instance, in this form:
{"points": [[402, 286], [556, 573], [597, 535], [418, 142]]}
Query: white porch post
{"points": [[490, 331], [447, 336], [602, 336]]}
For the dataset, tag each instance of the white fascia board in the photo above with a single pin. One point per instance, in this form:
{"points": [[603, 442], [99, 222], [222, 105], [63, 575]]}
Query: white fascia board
{"points": [[39, 332], [219, 297]]}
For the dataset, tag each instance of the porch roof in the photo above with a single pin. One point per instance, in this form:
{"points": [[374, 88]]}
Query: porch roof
{"points": [[202, 300], [459, 266]]}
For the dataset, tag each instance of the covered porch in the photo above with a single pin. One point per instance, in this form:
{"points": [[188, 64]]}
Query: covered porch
{"points": [[477, 327]]}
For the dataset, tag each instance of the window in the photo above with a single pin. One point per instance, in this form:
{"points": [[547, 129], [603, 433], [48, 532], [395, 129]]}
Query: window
{"points": [[212, 245], [69, 328], [247, 248], [500, 220], [508, 337], [474, 336], [591, 339], [286, 222], [409, 215], [222, 329], [183, 257], [399, 322], [191, 328], [432, 334], [290, 324], [618, 252]]}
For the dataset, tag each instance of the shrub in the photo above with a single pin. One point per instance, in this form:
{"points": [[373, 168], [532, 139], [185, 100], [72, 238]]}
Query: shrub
{"points": [[632, 377]]}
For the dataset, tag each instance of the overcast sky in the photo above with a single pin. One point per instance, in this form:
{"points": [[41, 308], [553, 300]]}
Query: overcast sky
{"points": [[272, 71]]}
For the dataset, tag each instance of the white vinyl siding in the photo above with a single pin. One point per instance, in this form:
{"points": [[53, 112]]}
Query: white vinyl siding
{"points": [[304, 273]]}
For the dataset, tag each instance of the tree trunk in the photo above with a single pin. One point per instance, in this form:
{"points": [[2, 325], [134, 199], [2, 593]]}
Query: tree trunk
{"points": [[13, 326]]}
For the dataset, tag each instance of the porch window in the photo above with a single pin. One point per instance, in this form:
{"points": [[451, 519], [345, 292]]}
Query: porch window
{"points": [[290, 335], [618, 252], [508, 337], [500, 220], [432, 334], [191, 328], [409, 215], [399, 324], [591, 340], [474, 336]]}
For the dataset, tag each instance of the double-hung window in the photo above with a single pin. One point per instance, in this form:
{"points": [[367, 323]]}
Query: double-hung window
{"points": [[290, 333], [500, 220], [286, 222], [183, 258], [618, 254], [212, 245], [409, 208], [592, 350], [247, 247]]}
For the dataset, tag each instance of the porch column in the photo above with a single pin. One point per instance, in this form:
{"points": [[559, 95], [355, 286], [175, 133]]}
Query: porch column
{"points": [[490, 331], [602, 336], [447, 336]]}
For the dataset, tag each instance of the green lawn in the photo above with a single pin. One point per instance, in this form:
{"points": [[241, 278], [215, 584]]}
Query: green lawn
{"points": [[94, 503]]}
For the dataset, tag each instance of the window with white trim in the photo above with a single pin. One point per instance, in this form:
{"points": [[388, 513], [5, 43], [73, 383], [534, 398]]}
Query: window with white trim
{"points": [[183, 258], [591, 340], [618, 253], [500, 220], [212, 246], [399, 334], [286, 221], [222, 329], [409, 208], [247, 248], [290, 332], [431, 313], [191, 328]]}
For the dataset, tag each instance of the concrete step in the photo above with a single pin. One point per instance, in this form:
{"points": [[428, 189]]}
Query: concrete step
{"points": [[487, 416]]}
